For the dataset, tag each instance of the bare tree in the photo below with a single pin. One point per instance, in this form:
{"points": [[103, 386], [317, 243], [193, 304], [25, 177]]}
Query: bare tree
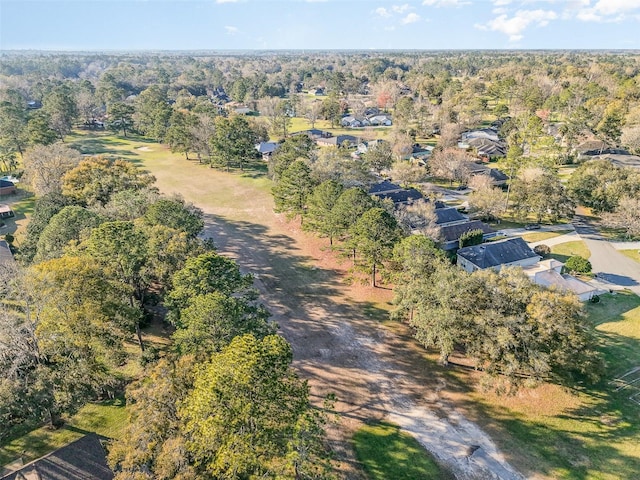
{"points": [[44, 166], [449, 135], [312, 112], [625, 216], [486, 201], [451, 164]]}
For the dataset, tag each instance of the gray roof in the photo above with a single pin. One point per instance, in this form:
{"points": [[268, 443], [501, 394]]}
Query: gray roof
{"points": [[384, 186], [452, 233], [448, 215], [402, 196], [493, 254], [266, 147], [84, 459], [339, 140]]}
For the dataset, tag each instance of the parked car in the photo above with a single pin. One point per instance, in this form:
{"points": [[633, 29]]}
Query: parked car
{"points": [[532, 226]]}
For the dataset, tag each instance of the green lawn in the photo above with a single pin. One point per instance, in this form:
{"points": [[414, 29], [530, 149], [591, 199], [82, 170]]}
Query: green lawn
{"points": [[540, 236], [107, 419], [633, 254], [387, 453], [298, 124], [563, 251]]}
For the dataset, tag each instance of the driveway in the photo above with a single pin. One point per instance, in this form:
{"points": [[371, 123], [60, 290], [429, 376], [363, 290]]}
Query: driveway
{"points": [[606, 261]]}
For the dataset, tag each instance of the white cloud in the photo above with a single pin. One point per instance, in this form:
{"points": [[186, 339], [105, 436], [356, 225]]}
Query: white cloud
{"points": [[411, 18], [602, 10], [226, 1], [515, 26], [382, 12], [401, 8], [231, 30], [500, 3], [614, 7], [445, 3]]}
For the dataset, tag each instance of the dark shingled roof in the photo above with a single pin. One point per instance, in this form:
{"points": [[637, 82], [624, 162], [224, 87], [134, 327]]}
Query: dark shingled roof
{"points": [[403, 196], [384, 186], [453, 232], [84, 459], [448, 215], [493, 254]]}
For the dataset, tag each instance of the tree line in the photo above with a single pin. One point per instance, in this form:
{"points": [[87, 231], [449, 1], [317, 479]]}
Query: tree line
{"points": [[104, 253]]}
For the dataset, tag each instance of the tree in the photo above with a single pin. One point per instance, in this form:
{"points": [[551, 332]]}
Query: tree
{"points": [[542, 250], [291, 192], [72, 223], [320, 216], [379, 157], [233, 142], [276, 111], [485, 201], [96, 179], [179, 133], [13, 127], [44, 209], [175, 213], [209, 323], [451, 164], [407, 173], [39, 131], [312, 112], [120, 117], [472, 237], [350, 206], [600, 185], [374, 236], [121, 249], [243, 410], [542, 194], [291, 149], [331, 110], [336, 163], [631, 138], [152, 112], [625, 216], [578, 264], [61, 107], [206, 273], [44, 167], [202, 131]]}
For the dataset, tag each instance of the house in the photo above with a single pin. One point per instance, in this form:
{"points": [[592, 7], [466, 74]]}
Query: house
{"points": [[363, 147], [337, 141], [621, 160], [548, 273], [484, 133], [487, 148], [498, 178], [398, 195], [351, 121], [314, 133], [5, 211], [7, 187], [34, 104], [448, 216], [318, 91], [84, 459], [380, 119], [266, 149], [505, 253], [419, 154], [450, 233]]}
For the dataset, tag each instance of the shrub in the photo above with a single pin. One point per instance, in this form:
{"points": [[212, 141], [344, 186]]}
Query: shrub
{"points": [[472, 237], [9, 238], [595, 299], [578, 264], [542, 250]]}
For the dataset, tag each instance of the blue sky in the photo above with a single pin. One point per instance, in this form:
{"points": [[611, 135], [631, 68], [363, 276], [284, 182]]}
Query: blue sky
{"points": [[318, 24]]}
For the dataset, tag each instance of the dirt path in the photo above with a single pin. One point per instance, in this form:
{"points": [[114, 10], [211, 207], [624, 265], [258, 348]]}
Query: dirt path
{"points": [[339, 344]]}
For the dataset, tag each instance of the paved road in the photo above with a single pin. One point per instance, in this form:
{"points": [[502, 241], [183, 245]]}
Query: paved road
{"points": [[606, 261]]}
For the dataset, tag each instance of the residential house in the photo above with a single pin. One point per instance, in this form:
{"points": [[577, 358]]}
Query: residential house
{"points": [[450, 233], [314, 133], [34, 104], [351, 121], [5, 211], [449, 216], [380, 119], [498, 178], [548, 273], [363, 147], [484, 133], [486, 148], [621, 160], [6, 255], [266, 149], [84, 459], [398, 195], [317, 91], [419, 155], [7, 187], [503, 253], [337, 141]]}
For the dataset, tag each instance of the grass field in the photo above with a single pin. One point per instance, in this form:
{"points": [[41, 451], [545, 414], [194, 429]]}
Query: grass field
{"points": [[540, 236], [563, 251], [107, 419], [386, 452], [633, 254], [298, 124], [584, 433]]}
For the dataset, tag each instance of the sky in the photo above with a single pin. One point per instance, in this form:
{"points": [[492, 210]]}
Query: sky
{"points": [[85, 25]]}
